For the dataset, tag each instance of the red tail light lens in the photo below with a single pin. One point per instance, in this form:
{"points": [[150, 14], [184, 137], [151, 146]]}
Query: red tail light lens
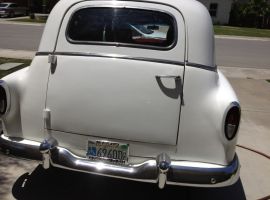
{"points": [[232, 122]]}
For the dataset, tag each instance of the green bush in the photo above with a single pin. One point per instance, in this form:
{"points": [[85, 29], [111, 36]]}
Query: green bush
{"points": [[255, 13]]}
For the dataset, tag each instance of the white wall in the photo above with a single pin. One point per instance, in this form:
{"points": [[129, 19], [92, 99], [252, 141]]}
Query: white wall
{"points": [[223, 11]]}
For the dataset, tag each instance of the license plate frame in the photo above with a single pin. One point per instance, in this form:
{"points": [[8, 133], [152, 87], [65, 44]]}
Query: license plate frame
{"points": [[107, 151]]}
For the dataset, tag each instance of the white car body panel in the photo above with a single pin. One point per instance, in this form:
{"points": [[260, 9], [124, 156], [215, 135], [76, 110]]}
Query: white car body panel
{"points": [[132, 108], [206, 114], [29, 117]]}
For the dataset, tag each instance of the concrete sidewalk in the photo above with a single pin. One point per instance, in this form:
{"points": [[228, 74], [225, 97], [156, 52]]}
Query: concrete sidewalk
{"points": [[253, 92]]}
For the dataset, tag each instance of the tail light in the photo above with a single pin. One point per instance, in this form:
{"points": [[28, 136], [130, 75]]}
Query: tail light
{"points": [[3, 101], [4, 97], [232, 121]]}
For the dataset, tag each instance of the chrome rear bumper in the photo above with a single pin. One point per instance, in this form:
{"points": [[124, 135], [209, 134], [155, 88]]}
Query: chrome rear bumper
{"points": [[161, 170]]}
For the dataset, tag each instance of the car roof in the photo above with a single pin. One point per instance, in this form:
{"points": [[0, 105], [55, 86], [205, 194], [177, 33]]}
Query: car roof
{"points": [[198, 25]]}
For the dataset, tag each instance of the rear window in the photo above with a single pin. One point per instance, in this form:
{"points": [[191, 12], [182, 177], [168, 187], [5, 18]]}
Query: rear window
{"points": [[122, 26]]}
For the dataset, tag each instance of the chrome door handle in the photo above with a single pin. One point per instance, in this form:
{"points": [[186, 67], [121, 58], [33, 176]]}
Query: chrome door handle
{"points": [[169, 76]]}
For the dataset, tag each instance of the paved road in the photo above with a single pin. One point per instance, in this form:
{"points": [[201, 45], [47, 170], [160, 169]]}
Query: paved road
{"points": [[230, 52], [243, 53], [20, 37]]}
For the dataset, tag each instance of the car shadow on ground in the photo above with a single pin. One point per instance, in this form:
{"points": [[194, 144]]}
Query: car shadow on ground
{"points": [[63, 184]]}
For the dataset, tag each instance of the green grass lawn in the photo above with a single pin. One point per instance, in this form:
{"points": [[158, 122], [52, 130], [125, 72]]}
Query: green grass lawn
{"points": [[241, 31], [6, 60]]}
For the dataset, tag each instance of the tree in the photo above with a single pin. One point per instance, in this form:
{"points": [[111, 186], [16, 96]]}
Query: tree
{"points": [[259, 9], [236, 14]]}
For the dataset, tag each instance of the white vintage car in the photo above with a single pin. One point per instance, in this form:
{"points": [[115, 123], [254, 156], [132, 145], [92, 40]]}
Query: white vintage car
{"points": [[126, 89]]}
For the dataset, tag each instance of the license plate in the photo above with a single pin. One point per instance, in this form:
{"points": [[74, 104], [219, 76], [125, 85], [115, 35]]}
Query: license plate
{"points": [[112, 152]]}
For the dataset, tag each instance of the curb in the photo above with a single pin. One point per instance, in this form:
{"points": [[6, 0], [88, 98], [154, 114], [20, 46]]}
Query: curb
{"points": [[22, 23], [19, 54], [234, 37]]}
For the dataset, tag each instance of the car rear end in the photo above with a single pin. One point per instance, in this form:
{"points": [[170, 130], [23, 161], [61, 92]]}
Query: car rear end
{"points": [[121, 101]]}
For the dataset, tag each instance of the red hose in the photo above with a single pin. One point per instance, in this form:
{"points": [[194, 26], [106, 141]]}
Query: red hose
{"points": [[255, 151], [265, 198], [262, 154]]}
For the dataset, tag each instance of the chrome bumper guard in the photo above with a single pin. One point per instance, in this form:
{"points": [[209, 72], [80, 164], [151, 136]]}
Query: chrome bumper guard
{"points": [[162, 170]]}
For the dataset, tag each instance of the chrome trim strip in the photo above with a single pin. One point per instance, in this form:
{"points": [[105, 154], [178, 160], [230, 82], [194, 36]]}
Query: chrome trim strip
{"points": [[111, 56], [209, 68], [206, 67], [169, 76], [61, 157], [179, 172]]}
